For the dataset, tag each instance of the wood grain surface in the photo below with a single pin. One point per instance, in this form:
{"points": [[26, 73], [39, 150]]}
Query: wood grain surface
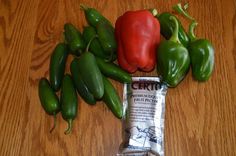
{"points": [[200, 117]]}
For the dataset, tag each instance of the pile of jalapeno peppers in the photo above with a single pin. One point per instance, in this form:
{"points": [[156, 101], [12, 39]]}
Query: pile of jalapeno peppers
{"points": [[99, 44], [94, 50]]}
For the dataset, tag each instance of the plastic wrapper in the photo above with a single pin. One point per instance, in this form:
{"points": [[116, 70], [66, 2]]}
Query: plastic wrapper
{"points": [[144, 114]]}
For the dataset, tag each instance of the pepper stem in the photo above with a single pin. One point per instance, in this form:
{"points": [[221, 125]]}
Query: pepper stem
{"points": [[84, 7], [110, 57], [186, 6], [63, 38], [178, 8], [175, 36], [69, 128], [191, 30], [54, 123], [88, 45], [154, 12]]}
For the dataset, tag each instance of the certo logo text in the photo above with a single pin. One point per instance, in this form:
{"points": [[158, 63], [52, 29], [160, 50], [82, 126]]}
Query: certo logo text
{"points": [[146, 85]]}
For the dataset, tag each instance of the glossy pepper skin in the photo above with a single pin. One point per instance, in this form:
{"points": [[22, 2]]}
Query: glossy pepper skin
{"points": [[113, 71], [173, 60], [168, 26], [138, 35], [91, 75], [95, 47], [74, 39], [48, 99], [79, 83], [69, 102], [57, 65], [201, 54], [93, 16], [106, 36], [112, 99]]}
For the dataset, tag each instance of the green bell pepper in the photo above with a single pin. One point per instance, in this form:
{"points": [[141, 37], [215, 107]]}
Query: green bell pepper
{"points": [[201, 51], [173, 60], [168, 26], [201, 54]]}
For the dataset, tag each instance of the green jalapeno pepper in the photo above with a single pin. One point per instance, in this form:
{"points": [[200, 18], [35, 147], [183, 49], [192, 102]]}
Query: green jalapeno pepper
{"points": [[74, 38], [104, 29], [69, 102], [57, 65], [201, 54], [48, 99], [93, 17], [112, 99], [91, 75], [106, 36], [172, 58], [95, 46], [79, 83], [113, 71]]}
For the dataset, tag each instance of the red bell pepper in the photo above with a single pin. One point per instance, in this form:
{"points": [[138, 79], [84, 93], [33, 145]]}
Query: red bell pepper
{"points": [[138, 35]]}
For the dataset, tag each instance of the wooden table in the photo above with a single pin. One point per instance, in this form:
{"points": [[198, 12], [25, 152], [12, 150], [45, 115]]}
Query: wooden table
{"points": [[200, 117]]}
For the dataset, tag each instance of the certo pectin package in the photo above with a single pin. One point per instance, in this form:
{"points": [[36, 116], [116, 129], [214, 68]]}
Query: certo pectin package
{"points": [[143, 122]]}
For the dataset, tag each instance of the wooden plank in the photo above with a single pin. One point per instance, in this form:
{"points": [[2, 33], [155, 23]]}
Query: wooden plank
{"points": [[200, 117]]}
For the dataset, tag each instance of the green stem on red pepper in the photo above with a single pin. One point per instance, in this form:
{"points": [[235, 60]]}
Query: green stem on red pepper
{"points": [[178, 8], [154, 12]]}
